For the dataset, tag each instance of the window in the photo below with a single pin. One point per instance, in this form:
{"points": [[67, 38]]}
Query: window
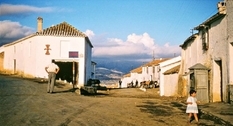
{"points": [[65, 47], [205, 39]]}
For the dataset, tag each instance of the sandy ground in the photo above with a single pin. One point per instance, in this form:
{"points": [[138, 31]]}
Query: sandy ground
{"points": [[25, 102]]}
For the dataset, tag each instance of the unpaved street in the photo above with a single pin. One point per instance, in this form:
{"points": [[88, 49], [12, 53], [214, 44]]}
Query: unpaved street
{"points": [[25, 102]]}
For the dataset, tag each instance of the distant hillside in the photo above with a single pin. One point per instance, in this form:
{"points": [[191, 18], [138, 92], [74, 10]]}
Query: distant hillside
{"points": [[122, 66], [108, 74]]}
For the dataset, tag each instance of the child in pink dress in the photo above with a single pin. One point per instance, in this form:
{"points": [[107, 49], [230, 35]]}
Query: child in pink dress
{"points": [[192, 109]]}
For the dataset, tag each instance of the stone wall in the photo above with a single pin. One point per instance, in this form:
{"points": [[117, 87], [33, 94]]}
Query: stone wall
{"points": [[231, 93], [229, 4]]}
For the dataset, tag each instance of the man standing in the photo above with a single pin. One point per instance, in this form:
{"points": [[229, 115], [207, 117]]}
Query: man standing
{"points": [[120, 82], [52, 69]]}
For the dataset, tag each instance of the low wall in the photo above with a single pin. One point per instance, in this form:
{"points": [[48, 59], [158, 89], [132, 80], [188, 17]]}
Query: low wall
{"points": [[171, 85]]}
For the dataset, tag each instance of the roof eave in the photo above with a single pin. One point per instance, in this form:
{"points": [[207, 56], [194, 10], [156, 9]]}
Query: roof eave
{"points": [[192, 37], [209, 21], [19, 40], [88, 40]]}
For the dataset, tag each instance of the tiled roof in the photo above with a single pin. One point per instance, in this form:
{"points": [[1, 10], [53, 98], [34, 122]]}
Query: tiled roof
{"points": [[137, 70], [155, 62], [172, 70], [127, 75], [188, 40], [149, 64], [62, 29]]}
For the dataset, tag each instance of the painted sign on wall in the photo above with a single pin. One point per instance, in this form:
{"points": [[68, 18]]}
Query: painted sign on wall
{"points": [[73, 54]]}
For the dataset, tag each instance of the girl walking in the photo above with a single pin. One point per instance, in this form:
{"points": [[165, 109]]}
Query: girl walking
{"points": [[192, 109]]}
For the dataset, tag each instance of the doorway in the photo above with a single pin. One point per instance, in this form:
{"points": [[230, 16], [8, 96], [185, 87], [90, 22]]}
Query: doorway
{"points": [[68, 71], [219, 73], [14, 72]]}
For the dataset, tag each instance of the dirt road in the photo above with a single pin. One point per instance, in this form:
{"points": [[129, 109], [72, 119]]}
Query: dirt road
{"points": [[25, 102]]}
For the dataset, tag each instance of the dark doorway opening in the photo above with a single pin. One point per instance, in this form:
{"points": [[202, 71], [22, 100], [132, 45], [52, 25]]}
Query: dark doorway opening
{"points": [[192, 82], [67, 72], [14, 66]]}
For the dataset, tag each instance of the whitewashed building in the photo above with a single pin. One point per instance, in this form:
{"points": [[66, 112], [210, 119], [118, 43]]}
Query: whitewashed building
{"points": [[69, 47], [206, 62], [229, 9], [146, 72], [163, 67]]}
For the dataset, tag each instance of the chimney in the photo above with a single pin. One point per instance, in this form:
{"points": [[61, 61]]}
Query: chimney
{"points": [[39, 24], [222, 7]]}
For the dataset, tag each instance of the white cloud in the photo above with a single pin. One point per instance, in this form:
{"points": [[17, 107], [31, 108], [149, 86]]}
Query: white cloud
{"points": [[136, 46], [144, 39], [17, 9], [12, 30], [89, 33]]}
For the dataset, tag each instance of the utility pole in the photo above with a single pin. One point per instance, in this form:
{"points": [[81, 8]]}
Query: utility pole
{"points": [[192, 31], [153, 58]]}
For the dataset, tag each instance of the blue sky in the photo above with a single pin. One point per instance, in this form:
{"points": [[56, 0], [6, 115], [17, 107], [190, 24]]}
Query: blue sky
{"points": [[120, 29]]}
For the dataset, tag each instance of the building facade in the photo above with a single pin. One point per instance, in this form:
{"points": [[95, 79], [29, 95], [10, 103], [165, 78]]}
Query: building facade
{"points": [[207, 49], [70, 48], [163, 67]]}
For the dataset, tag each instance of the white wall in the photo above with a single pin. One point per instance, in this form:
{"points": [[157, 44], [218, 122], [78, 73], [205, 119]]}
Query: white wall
{"points": [[88, 55], [147, 73], [30, 55], [125, 81], [164, 66], [230, 65], [170, 84]]}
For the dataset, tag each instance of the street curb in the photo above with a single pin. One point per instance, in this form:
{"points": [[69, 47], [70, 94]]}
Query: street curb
{"points": [[211, 115], [226, 123]]}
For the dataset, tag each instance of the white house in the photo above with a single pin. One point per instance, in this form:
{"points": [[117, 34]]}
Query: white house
{"points": [[146, 72], [209, 50], [69, 47], [150, 71], [163, 67], [125, 80]]}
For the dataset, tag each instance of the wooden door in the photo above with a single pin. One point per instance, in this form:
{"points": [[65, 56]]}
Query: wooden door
{"points": [[201, 83]]}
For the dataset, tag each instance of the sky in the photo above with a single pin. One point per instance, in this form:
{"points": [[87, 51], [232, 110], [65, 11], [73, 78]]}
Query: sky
{"points": [[136, 30]]}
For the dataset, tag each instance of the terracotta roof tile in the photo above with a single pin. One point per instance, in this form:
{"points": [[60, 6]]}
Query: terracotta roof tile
{"points": [[149, 64], [127, 75], [137, 70], [62, 29], [172, 70], [155, 62]]}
